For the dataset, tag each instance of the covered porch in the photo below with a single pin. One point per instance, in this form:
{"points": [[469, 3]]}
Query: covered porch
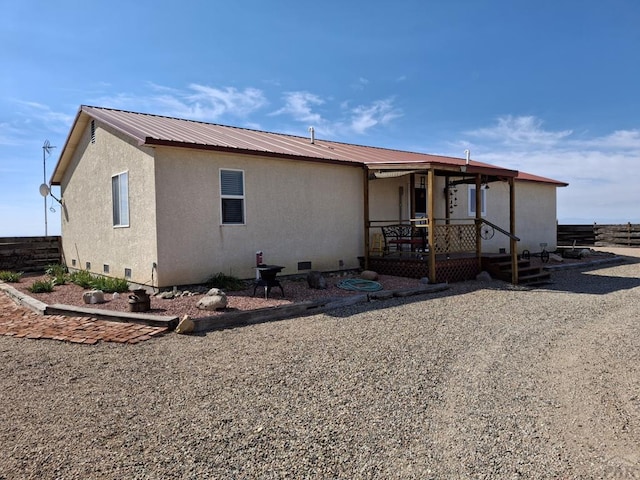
{"points": [[428, 219]]}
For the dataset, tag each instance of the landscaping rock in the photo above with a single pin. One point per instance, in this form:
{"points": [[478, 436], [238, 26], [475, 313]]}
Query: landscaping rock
{"points": [[93, 296], [424, 280], [215, 299], [369, 275], [316, 280], [186, 325], [483, 277]]}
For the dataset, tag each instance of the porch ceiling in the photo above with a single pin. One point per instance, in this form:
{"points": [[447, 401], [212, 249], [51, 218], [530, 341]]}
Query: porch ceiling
{"points": [[454, 169]]}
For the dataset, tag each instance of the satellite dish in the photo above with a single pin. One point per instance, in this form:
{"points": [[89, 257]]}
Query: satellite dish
{"points": [[44, 190]]}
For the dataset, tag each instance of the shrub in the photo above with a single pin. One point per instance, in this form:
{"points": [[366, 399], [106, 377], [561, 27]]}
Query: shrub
{"points": [[10, 277], [109, 284], [82, 278], [225, 282], [41, 286], [57, 272]]}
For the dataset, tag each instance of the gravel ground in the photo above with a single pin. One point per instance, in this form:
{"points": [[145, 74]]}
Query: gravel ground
{"points": [[484, 380]]}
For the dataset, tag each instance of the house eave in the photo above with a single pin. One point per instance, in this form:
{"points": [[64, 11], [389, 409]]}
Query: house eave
{"points": [[70, 145]]}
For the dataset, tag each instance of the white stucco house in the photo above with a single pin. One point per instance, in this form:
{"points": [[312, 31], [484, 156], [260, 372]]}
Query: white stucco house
{"points": [[165, 201]]}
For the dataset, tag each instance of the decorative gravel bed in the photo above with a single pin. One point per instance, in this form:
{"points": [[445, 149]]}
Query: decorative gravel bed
{"points": [[296, 290], [484, 380]]}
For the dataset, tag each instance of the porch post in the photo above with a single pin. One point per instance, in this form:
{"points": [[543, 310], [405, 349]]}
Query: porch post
{"points": [[411, 196], [365, 189], [478, 220], [512, 230], [432, 224]]}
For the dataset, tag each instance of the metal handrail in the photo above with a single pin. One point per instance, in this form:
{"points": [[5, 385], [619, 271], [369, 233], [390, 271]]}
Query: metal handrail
{"points": [[501, 230]]}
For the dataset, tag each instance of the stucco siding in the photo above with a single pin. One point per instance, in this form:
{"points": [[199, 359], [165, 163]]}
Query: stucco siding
{"points": [[536, 222], [535, 205], [294, 212], [88, 234], [386, 203]]}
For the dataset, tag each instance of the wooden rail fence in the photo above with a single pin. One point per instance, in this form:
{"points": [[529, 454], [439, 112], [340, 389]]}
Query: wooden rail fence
{"points": [[621, 235], [29, 254]]}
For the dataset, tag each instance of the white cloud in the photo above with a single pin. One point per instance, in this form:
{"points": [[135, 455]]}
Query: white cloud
{"points": [[9, 134], [30, 120], [360, 84], [300, 106], [622, 139], [240, 103], [380, 112], [206, 103], [526, 130], [196, 102], [45, 114], [602, 171]]}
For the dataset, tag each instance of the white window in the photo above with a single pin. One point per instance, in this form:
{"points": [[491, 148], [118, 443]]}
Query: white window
{"points": [[120, 199], [472, 201], [232, 197]]}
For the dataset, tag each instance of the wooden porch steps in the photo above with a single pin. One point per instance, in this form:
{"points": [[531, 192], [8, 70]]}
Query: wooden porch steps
{"points": [[499, 266]]}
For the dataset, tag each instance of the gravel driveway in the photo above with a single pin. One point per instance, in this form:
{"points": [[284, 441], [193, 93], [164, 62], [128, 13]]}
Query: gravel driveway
{"points": [[484, 380]]}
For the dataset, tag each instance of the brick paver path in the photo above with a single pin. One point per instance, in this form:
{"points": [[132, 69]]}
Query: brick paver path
{"points": [[18, 321]]}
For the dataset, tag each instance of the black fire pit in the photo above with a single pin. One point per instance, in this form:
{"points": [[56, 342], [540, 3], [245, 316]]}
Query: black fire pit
{"points": [[268, 279]]}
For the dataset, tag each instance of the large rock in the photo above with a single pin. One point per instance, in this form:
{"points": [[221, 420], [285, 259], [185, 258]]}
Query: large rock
{"points": [[316, 280], [93, 296], [369, 275], [186, 325], [555, 258], [215, 299], [483, 277]]}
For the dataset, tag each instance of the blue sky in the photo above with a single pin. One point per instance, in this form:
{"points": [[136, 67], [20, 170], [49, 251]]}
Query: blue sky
{"points": [[546, 87]]}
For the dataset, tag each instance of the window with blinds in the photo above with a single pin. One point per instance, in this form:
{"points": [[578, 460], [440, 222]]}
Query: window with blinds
{"points": [[232, 196]]}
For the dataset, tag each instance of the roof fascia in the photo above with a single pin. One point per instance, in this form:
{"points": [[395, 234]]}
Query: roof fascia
{"points": [[69, 148], [446, 169]]}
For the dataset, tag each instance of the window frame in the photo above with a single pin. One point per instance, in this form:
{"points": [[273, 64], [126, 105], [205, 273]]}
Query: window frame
{"points": [[226, 196], [471, 204], [117, 203]]}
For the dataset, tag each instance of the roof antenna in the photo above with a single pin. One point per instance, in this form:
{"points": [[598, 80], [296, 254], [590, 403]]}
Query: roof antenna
{"points": [[45, 189], [312, 131]]}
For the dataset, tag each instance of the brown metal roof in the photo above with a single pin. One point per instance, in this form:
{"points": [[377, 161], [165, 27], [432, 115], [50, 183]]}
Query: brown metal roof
{"points": [[152, 130]]}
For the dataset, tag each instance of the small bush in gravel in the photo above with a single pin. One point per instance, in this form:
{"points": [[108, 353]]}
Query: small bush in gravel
{"points": [[41, 286], [82, 278], [109, 284], [10, 277], [226, 282], [58, 273]]}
